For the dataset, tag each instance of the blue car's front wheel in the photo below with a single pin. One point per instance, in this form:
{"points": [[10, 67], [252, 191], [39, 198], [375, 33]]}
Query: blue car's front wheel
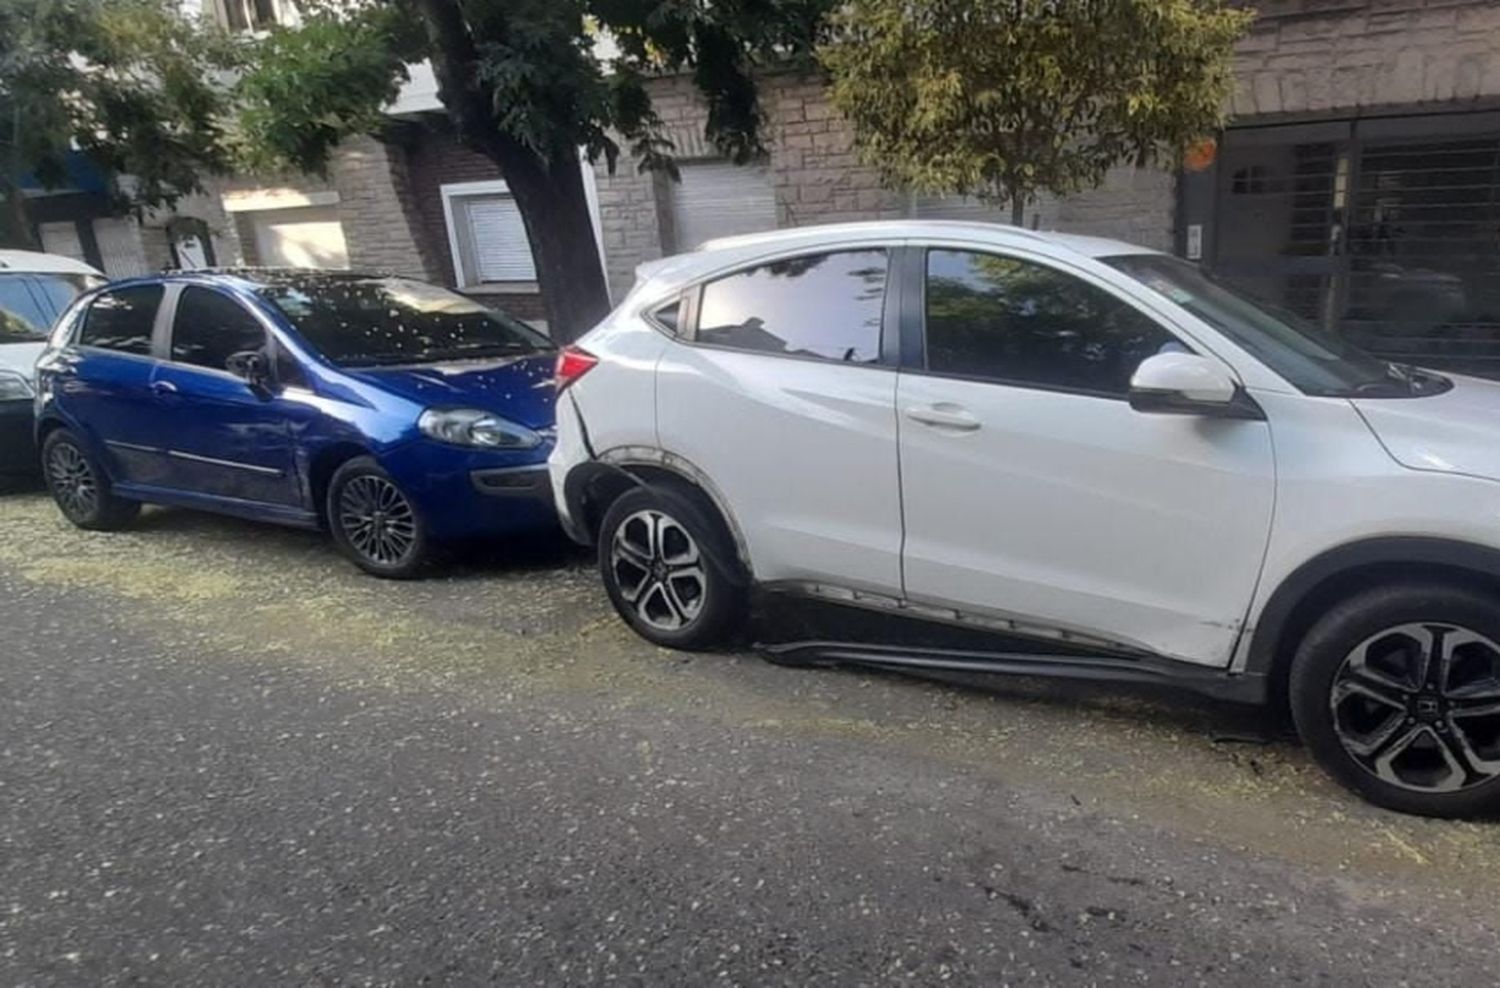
{"points": [[374, 522]]}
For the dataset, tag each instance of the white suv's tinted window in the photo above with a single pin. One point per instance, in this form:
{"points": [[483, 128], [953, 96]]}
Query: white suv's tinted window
{"points": [[1016, 322], [209, 328], [122, 319], [818, 305]]}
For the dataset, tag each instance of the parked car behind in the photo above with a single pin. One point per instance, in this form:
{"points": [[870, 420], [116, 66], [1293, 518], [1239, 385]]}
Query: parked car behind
{"points": [[1077, 442], [34, 290], [395, 414]]}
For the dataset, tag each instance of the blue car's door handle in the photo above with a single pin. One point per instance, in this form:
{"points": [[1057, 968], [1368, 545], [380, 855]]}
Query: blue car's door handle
{"points": [[163, 388]]}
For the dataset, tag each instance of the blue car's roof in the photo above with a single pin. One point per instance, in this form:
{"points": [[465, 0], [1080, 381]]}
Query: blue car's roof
{"points": [[250, 278]]}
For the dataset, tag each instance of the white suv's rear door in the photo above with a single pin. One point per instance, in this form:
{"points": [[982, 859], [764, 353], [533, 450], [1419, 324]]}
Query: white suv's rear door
{"points": [[785, 399], [1033, 490]]}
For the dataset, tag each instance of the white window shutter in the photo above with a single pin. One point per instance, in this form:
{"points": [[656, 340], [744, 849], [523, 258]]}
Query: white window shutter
{"points": [[120, 248], [501, 251], [720, 199], [62, 238]]}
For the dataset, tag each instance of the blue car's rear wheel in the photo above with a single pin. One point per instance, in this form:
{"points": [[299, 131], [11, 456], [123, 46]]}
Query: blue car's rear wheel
{"points": [[80, 488], [374, 522]]}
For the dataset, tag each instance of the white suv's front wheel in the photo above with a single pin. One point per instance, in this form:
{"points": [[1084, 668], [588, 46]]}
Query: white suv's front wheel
{"points": [[670, 569], [1397, 693]]}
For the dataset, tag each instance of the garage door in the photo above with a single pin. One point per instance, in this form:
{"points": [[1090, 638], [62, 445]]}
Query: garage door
{"points": [[301, 237], [1385, 230], [120, 247], [718, 199]]}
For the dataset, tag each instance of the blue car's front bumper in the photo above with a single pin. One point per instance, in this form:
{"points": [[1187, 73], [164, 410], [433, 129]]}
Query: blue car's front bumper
{"points": [[472, 493]]}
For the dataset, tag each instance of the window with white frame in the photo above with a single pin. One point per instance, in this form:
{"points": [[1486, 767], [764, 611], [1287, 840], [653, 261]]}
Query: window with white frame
{"points": [[486, 235], [254, 15]]}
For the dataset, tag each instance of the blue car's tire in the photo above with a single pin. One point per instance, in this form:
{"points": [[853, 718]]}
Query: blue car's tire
{"points": [[80, 487], [374, 523]]}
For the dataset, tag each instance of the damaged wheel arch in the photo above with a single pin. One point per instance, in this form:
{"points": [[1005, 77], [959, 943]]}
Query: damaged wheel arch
{"points": [[590, 488]]}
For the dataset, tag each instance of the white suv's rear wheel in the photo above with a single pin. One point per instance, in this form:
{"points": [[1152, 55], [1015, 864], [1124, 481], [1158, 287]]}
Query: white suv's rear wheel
{"points": [[1397, 693], [669, 568]]}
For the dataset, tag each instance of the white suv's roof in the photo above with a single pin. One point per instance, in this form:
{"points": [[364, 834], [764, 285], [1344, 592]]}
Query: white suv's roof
{"points": [[900, 229], [35, 262], [726, 251]]}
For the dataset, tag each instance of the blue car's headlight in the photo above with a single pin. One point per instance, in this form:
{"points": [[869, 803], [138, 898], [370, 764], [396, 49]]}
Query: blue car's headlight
{"points": [[472, 427], [14, 387]]}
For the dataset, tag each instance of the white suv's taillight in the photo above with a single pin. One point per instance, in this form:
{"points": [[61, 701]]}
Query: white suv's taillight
{"points": [[572, 363]]}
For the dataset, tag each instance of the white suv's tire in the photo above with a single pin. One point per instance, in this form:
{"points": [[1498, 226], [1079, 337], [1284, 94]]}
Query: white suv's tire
{"points": [[1396, 691], [670, 569]]}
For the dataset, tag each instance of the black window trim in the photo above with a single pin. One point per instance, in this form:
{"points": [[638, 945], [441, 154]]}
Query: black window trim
{"points": [[914, 339], [891, 312], [158, 327], [267, 325], [182, 289], [684, 300]]}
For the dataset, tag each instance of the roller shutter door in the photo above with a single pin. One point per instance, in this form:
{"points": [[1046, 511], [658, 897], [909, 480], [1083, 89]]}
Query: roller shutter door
{"points": [[719, 199]]}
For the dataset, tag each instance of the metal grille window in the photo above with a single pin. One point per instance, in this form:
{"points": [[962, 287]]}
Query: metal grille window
{"points": [[1385, 231]]}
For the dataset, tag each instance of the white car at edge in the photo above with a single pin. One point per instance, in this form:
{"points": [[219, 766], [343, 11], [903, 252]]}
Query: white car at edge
{"points": [[35, 288], [1076, 442]]}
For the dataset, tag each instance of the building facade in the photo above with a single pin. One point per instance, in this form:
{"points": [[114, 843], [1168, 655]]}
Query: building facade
{"points": [[1357, 184]]}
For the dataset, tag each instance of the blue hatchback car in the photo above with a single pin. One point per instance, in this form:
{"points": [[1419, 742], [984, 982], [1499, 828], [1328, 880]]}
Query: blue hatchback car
{"points": [[393, 413]]}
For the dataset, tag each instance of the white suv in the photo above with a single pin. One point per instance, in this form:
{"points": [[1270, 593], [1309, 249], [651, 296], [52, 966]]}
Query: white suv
{"points": [[1080, 443]]}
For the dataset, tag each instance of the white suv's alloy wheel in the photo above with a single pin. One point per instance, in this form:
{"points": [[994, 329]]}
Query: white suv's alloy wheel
{"points": [[659, 570], [1418, 706]]}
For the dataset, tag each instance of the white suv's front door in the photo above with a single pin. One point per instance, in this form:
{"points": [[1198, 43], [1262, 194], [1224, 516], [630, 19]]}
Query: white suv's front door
{"points": [[1032, 490]]}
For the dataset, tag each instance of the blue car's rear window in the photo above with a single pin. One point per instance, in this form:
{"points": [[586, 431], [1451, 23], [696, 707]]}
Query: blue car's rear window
{"points": [[365, 321]]}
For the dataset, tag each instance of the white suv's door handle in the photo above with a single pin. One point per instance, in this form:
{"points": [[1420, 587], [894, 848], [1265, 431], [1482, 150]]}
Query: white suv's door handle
{"points": [[943, 415]]}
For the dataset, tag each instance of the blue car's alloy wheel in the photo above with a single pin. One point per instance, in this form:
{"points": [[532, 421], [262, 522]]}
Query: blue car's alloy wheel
{"points": [[378, 520], [374, 522], [72, 480], [79, 487]]}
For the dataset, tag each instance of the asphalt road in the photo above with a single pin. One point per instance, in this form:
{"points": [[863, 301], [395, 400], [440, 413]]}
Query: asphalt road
{"points": [[227, 759]]}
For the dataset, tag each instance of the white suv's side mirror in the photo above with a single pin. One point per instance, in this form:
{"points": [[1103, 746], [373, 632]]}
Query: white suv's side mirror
{"points": [[1188, 384]]}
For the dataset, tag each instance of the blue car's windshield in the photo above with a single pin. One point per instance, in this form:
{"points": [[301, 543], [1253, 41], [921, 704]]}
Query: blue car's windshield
{"points": [[368, 321]]}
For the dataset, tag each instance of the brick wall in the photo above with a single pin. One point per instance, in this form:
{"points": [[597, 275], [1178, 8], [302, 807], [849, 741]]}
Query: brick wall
{"points": [[1325, 56], [436, 160], [1137, 205], [156, 242], [817, 178], [378, 207]]}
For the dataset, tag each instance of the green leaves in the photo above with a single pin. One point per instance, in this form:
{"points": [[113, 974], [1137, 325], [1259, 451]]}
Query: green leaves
{"points": [[524, 74], [310, 87], [1009, 98], [129, 83]]}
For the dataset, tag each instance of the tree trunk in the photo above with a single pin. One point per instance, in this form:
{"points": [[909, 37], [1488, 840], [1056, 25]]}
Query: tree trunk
{"points": [[549, 193], [1017, 209], [18, 229], [555, 209]]}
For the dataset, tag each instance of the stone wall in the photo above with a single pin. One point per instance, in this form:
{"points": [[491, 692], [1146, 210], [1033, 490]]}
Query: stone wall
{"points": [[1327, 56], [432, 162], [379, 210], [817, 178]]}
